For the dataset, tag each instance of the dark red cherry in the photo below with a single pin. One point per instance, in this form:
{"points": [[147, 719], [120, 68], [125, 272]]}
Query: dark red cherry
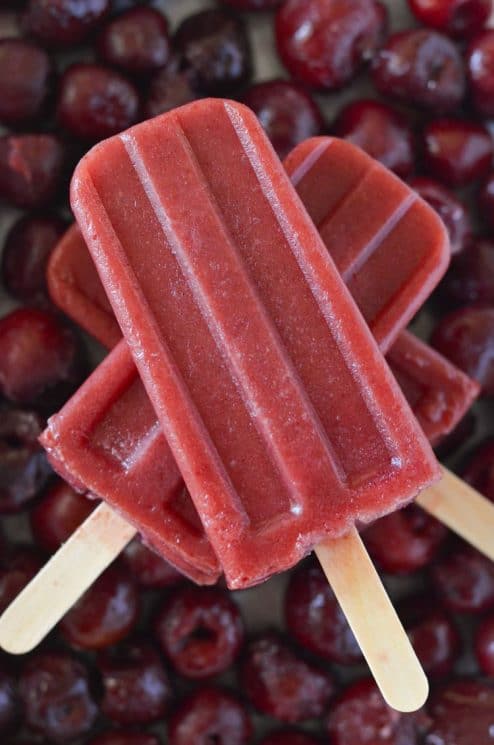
{"points": [[461, 713], [207, 716], [40, 360], [200, 630], [379, 130], [459, 18], [464, 580], [25, 77], [137, 41], [31, 169], [286, 111], [60, 511], [214, 47], [106, 613], [56, 697], [480, 66], [466, 337], [452, 211], [136, 688], [149, 569], [169, 88], [280, 683], [27, 248], [360, 716], [433, 634], [325, 43], [456, 152], [61, 23], [315, 619], [17, 567], [95, 102], [24, 468], [470, 278], [405, 541], [421, 67]]}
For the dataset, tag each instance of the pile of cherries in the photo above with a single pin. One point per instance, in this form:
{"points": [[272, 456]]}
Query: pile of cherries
{"points": [[146, 657]]}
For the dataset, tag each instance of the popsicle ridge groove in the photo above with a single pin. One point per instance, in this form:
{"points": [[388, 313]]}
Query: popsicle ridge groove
{"points": [[310, 270], [309, 162], [257, 333]]}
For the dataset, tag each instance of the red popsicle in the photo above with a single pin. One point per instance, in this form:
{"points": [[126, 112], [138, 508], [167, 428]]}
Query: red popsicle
{"points": [[278, 407]]}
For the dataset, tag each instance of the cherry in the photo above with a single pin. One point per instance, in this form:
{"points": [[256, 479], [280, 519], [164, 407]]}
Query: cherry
{"points": [[17, 568], [289, 737], [421, 67], [96, 102], [470, 278], [461, 713], [450, 209], [480, 66], [315, 619], [464, 580], [213, 44], [286, 111], [124, 738], [484, 645], [58, 514], [136, 41], [24, 468], [280, 683], [64, 22], [148, 569], [325, 43], [200, 630], [458, 18], [31, 169], [106, 613], [405, 541], [209, 715], [26, 74], [479, 470], [486, 200], [27, 248], [169, 88], [360, 716], [434, 636], [39, 358], [253, 4], [135, 684], [379, 130], [54, 690], [9, 702], [456, 152], [466, 337]]}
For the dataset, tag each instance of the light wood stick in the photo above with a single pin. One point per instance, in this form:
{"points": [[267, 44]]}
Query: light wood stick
{"points": [[63, 579], [373, 620], [464, 510]]}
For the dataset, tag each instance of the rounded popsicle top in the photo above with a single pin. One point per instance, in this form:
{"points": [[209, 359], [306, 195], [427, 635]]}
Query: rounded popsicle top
{"points": [[399, 245]]}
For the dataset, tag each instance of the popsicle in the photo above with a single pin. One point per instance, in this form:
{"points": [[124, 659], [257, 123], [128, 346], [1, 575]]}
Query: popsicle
{"points": [[281, 414]]}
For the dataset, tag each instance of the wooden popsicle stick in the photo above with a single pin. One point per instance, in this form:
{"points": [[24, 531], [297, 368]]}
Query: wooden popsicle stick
{"points": [[374, 622], [63, 579], [463, 510]]}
